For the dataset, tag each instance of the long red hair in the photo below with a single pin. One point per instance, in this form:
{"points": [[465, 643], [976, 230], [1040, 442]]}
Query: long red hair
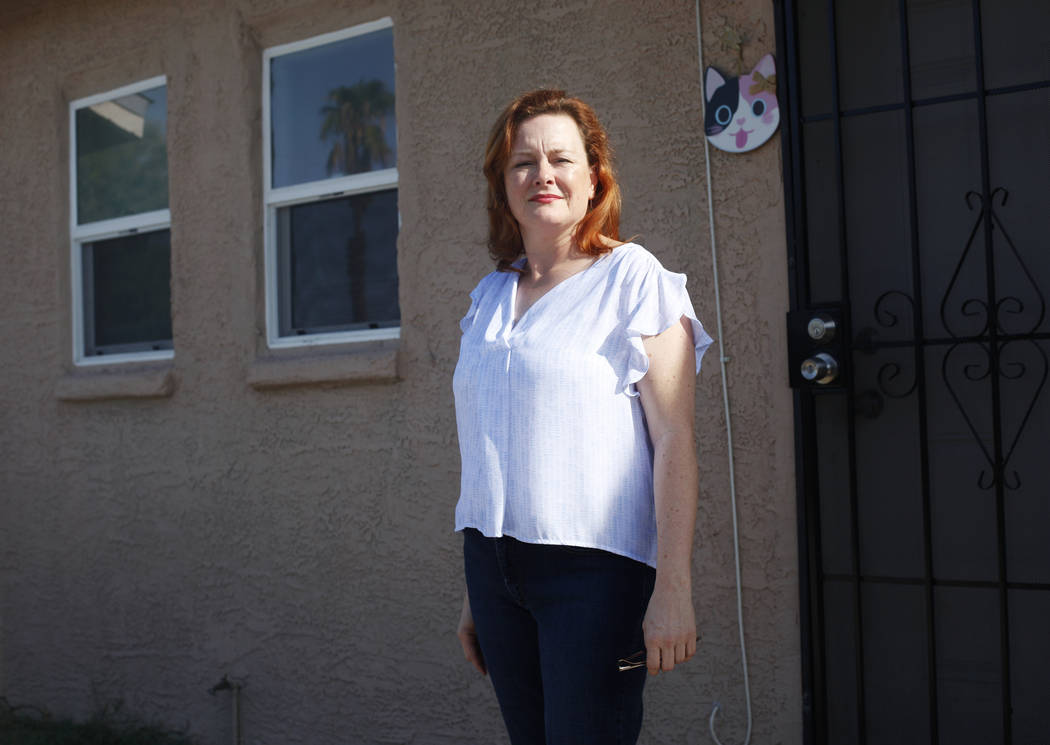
{"points": [[603, 212]]}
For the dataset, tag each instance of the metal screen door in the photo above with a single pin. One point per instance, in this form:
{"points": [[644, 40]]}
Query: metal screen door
{"points": [[917, 170]]}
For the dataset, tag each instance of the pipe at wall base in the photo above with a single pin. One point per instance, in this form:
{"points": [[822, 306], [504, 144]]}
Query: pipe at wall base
{"points": [[229, 685]]}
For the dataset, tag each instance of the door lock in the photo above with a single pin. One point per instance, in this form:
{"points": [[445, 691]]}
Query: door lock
{"points": [[821, 368], [821, 328], [818, 348]]}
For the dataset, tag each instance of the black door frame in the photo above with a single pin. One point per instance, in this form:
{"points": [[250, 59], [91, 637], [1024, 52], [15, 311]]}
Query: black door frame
{"points": [[811, 611], [805, 470]]}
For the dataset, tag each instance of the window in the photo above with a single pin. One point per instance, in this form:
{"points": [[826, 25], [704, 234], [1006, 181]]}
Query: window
{"points": [[120, 225], [330, 192]]}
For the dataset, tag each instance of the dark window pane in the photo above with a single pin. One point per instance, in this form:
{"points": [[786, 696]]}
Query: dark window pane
{"points": [[840, 655], [122, 159], [836, 533], [896, 679], [814, 54], [969, 668], [1015, 46], [332, 109], [338, 264], [869, 54], [127, 294], [822, 213], [1029, 663], [877, 224], [940, 42]]}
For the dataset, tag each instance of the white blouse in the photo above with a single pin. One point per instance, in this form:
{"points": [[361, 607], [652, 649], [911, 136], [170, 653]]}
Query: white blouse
{"points": [[552, 434]]}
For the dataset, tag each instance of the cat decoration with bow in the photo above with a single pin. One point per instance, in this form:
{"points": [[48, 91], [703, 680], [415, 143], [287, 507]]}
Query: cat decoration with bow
{"points": [[741, 113]]}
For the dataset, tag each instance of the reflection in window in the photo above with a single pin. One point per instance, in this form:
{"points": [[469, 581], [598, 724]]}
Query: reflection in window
{"points": [[121, 238], [127, 293], [336, 271], [122, 160], [332, 109], [330, 152]]}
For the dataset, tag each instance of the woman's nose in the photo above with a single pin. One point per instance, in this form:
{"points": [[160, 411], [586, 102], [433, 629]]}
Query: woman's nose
{"points": [[543, 174]]}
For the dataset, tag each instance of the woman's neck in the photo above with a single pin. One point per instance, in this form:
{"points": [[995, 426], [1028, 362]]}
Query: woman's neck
{"points": [[550, 254], [554, 257]]}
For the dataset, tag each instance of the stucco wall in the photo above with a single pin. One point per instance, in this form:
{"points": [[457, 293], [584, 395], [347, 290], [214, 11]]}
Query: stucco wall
{"points": [[299, 538]]}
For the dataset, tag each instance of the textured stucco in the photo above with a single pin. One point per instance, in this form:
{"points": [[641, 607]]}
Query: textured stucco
{"points": [[298, 537]]}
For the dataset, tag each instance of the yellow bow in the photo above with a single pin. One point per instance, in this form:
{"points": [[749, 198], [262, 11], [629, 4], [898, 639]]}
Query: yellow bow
{"points": [[763, 84]]}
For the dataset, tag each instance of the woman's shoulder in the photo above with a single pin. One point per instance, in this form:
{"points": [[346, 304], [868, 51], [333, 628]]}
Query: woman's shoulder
{"points": [[632, 258], [494, 278]]}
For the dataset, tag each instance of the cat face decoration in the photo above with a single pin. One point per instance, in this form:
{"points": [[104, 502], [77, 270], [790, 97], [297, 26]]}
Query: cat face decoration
{"points": [[741, 113]]}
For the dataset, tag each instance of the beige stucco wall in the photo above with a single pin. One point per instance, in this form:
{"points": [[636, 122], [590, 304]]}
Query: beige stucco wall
{"points": [[299, 538]]}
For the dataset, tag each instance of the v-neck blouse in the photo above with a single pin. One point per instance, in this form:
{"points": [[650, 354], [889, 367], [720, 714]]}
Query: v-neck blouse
{"points": [[552, 434]]}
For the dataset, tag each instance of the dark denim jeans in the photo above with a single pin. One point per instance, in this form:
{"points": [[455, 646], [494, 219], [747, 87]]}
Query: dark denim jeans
{"points": [[552, 622]]}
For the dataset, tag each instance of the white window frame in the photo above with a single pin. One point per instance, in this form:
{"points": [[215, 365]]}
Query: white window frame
{"points": [[312, 191], [103, 229]]}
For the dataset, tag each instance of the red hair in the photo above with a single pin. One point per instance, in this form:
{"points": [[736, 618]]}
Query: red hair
{"points": [[603, 212]]}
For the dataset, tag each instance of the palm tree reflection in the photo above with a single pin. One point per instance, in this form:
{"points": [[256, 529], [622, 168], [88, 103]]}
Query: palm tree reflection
{"points": [[355, 116]]}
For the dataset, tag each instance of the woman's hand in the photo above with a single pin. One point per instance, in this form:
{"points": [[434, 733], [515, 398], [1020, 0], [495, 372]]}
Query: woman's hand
{"points": [[669, 625], [667, 394], [468, 637]]}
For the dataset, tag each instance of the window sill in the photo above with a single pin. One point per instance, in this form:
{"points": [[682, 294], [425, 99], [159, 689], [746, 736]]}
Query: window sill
{"points": [[152, 382], [356, 364]]}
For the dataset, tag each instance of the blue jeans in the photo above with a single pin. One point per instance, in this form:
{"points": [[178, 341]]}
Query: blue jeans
{"points": [[552, 622]]}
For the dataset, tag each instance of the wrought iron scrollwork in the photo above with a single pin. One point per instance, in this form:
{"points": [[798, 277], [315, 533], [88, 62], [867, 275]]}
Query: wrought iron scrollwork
{"points": [[1010, 305], [892, 384], [884, 314], [989, 315], [889, 377], [1017, 370], [1013, 370]]}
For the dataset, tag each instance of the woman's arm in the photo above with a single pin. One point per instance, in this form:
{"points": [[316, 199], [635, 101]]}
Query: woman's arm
{"points": [[667, 395]]}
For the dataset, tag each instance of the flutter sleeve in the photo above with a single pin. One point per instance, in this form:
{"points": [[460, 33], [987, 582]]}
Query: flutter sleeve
{"points": [[657, 300]]}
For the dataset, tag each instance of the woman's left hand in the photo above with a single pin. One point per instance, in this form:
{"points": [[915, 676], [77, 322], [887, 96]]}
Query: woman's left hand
{"points": [[667, 397], [468, 637], [669, 625]]}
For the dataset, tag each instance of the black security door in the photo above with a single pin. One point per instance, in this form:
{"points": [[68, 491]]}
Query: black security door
{"points": [[917, 163]]}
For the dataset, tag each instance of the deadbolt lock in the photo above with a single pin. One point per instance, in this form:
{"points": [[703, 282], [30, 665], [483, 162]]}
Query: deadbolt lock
{"points": [[821, 328]]}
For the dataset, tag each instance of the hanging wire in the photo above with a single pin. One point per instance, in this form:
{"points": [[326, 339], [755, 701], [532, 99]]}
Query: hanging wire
{"points": [[725, 398]]}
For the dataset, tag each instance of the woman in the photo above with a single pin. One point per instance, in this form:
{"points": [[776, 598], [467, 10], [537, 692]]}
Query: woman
{"points": [[574, 404]]}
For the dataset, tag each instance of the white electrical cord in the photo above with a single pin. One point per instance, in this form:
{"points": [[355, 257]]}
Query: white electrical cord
{"points": [[725, 398]]}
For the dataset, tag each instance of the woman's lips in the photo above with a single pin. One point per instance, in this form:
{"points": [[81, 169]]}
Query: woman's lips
{"points": [[545, 198]]}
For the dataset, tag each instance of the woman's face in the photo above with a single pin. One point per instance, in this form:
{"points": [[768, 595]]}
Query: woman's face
{"points": [[548, 179]]}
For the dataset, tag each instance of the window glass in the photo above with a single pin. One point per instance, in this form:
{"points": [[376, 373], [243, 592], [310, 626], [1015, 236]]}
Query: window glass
{"points": [[1016, 51], [332, 240], [337, 264], [333, 109], [121, 156], [127, 293]]}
